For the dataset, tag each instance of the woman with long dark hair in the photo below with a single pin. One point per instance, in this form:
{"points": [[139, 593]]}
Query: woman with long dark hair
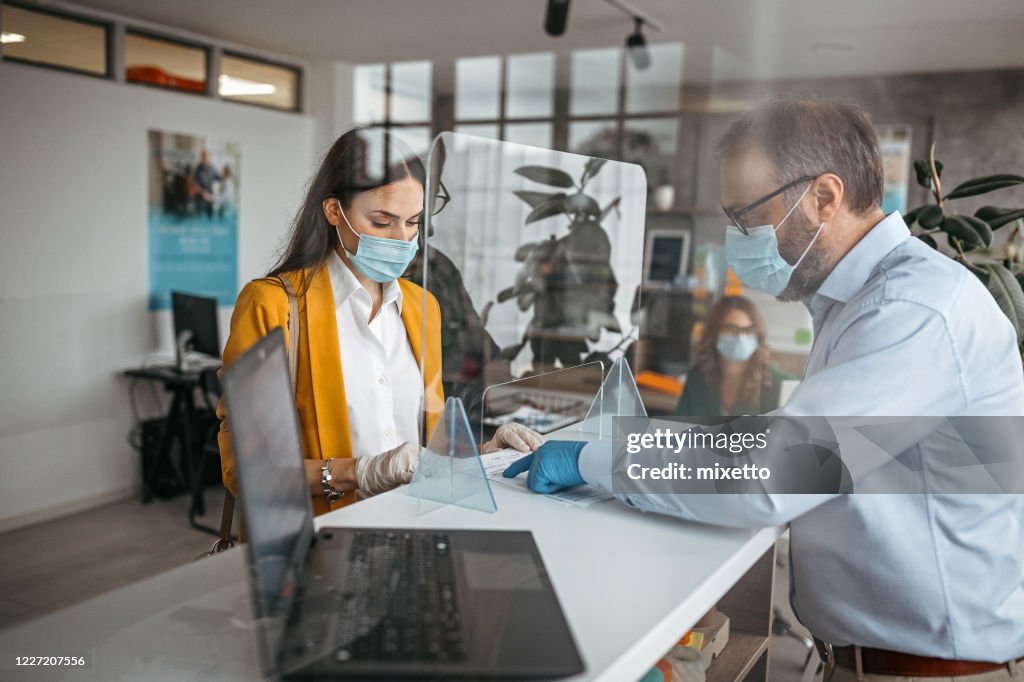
{"points": [[732, 374], [362, 400]]}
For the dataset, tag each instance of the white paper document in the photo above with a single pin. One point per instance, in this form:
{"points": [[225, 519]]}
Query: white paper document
{"points": [[580, 496]]}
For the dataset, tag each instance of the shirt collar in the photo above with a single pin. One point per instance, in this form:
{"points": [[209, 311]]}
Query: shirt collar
{"points": [[344, 284], [852, 272]]}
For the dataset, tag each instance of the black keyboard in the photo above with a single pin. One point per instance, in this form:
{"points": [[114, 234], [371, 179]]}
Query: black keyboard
{"points": [[399, 601]]}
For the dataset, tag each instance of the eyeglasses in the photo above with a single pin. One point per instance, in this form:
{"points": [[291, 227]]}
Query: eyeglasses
{"points": [[735, 216]]}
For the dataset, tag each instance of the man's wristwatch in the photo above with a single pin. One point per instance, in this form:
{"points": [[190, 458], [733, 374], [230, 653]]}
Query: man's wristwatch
{"points": [[330, 492]]}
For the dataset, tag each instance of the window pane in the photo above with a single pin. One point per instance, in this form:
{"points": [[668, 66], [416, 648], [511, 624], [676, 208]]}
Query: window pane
{"points": [[47, 39], [248, 80], [368, 85], [656, 88], [533, 134], [478, 129], [651, 142], [164, 64], [410, 91], [477, 84], [530, 85], [595, 82], [594, 138], [416, 138]]}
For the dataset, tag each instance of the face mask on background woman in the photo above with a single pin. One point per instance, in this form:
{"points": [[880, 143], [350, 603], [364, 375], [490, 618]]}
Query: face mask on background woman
{"points": [[736, 347]]}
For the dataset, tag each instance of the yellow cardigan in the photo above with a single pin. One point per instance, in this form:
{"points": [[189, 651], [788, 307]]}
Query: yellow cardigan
{"points": [[320, 386]]}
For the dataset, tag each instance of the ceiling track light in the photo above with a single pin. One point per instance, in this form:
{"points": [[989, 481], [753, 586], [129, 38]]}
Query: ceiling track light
{"points": [[636, 45], [556, 18]]}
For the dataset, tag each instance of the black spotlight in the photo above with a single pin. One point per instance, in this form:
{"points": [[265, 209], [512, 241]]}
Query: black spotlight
{"points": [[557, 17], [636, 44]]}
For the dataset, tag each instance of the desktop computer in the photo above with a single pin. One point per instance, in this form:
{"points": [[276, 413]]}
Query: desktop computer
{"points": [[196, 338]]}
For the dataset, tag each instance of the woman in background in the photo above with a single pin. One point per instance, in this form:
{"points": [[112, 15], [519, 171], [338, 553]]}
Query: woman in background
{"points": [[732, 375]]}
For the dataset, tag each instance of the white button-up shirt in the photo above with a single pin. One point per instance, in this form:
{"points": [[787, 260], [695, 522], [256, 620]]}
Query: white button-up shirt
{"points": [[900, 330], [383, 386]]}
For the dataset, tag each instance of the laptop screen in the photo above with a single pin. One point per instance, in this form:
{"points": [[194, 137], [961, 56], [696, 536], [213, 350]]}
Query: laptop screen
{"points": [[274, 495]]}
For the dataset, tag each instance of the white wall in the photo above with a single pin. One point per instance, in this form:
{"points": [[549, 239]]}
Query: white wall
{"points": [[73, 267]]}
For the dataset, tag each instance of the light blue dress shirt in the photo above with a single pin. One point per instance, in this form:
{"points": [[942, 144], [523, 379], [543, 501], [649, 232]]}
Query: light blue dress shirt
{"points": [[900, 330]]}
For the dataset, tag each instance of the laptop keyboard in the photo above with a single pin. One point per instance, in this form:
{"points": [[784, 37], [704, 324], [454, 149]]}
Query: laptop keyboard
{"points": [[399, 601]]}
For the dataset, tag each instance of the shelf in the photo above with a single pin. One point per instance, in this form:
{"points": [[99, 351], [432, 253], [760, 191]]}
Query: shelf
{"points": [[738, 657]]}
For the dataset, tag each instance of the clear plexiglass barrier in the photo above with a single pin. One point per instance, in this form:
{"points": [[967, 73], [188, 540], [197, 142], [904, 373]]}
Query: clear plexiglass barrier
{"points": [[544, 402], [450, 471], [535, 258]]}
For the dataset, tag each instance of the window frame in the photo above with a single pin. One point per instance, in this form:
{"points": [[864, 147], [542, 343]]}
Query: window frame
{"points": [[129, 29], [108, 42], [299, 73]]}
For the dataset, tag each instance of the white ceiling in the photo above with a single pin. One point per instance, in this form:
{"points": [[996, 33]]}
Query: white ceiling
{"points": [[724, 39]]}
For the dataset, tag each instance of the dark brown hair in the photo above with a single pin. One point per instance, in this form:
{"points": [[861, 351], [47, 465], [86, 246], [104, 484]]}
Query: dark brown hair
{"points": [[756, 375], [346, 170], [811, 136]]}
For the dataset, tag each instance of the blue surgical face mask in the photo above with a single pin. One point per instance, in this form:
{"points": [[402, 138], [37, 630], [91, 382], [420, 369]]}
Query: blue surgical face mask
{"points": [[755, 256], [382, 260], [736, 347]]}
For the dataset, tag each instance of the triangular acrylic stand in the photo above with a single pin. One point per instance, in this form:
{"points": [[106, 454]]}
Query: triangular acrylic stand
{"points": [[450, 470], [617, 397]]}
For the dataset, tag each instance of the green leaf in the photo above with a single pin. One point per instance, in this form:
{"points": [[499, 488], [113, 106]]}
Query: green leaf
{"points": [[535, 199], [506, 293], [910, 217], [510, 352], [582, 204], [614, 205], [1006, 289], [930, 217], [924, 173], [981, 227], [523, 252], [989, 183], [958, 227], [590, 170], [997, 217], [928, 239], [546, 176], [547, 209]]}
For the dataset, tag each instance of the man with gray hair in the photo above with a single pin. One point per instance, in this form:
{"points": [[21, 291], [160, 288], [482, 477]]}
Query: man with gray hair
{"points": [[892, 586]]}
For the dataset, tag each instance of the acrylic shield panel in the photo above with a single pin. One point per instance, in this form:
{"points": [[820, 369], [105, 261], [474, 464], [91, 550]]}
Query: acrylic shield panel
{"points": [[450, 470], [535, 258]]}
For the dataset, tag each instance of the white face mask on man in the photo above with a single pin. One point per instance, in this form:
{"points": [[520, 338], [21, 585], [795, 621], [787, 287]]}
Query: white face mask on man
{"points": [[755, 256]]}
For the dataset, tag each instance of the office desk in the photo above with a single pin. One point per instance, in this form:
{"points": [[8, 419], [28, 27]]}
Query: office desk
{"points": [[630, 585], [177, 426]]}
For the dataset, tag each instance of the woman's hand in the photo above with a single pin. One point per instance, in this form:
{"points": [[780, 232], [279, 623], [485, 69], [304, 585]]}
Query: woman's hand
{"points": [[512, 435], [377, 474]]}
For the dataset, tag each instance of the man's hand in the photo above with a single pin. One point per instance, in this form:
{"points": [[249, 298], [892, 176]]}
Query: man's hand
{"points": [[553, 467]]}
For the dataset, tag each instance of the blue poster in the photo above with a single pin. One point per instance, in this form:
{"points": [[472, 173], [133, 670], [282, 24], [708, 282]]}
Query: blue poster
{"points": [[193, 218]]}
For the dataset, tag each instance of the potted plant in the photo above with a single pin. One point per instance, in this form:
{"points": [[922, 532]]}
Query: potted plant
{"points": [[567, 280], [971, 235]]}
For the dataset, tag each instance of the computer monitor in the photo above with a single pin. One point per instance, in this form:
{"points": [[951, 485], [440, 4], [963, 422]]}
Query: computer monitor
{"points": [[195, 324], [667, 261]]}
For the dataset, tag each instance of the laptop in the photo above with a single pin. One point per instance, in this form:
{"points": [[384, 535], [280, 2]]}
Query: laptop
{"points": [[398, 603]]}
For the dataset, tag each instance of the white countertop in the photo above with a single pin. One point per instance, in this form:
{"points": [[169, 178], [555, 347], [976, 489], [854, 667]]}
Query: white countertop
{"points": [[630, 584]]}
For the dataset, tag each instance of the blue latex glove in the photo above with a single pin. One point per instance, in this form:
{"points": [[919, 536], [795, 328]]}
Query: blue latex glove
{"points": [[554, 466]]}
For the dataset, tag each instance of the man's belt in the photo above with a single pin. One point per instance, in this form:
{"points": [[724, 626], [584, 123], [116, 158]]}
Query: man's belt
{"points": [[881, 662]]}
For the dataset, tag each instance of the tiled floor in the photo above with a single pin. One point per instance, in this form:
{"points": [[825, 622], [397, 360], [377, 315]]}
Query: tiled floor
{"points": [[52, 565]]}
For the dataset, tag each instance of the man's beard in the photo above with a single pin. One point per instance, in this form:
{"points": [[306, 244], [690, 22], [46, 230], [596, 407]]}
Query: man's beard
{"points": [[813, 269]]}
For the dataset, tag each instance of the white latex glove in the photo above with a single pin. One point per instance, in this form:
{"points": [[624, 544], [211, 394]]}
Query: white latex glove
{"points": [[377, 474], [512, 435]]}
